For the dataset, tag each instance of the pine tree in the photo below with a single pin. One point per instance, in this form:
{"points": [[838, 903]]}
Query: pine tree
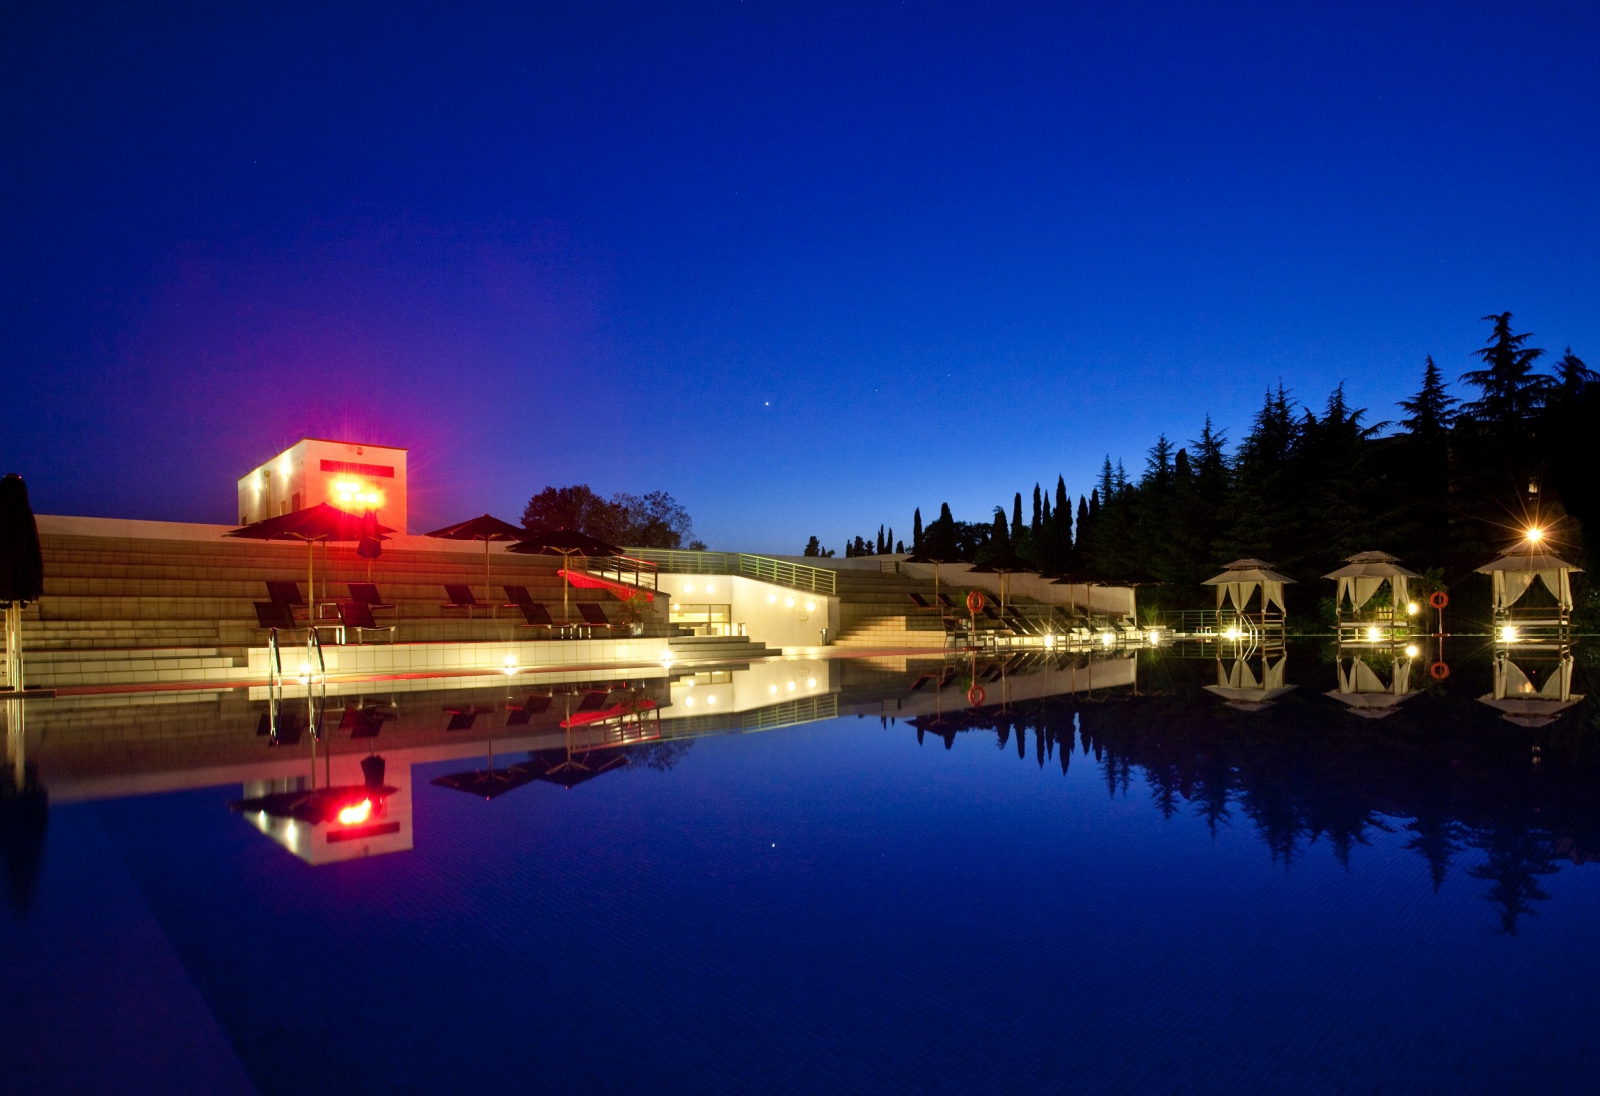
{"points": [[1428, 413], [1511, 390], [813, 547]]}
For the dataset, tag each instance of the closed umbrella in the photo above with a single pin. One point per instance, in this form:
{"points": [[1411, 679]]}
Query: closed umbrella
{"points": [[1086, 577], [565, 543], [485, 528], [21, 569], [324, 523]]}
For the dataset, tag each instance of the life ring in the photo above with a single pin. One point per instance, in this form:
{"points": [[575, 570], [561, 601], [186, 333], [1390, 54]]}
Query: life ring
{"points": [[1439, 599], [976, 696], [1439, 670], [974, 602]]}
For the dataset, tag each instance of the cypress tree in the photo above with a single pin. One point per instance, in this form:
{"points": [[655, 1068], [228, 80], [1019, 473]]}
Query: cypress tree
{"points": [[1038, 512], [1016, 521], [916, 530]]}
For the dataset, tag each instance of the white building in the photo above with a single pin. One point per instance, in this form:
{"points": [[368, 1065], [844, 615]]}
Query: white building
{"points": [[352, 476]]}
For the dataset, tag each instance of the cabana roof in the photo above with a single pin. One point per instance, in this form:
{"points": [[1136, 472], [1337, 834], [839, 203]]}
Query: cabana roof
{"points": [[1528, 561], [1371, 565], [1247, 570]]}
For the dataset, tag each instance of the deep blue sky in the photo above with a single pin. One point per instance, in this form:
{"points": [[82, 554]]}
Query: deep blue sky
{"points": [[802, 266]]}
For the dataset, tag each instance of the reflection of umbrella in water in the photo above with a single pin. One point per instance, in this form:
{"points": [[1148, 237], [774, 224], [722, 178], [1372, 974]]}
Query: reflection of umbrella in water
{"points": [[315, 523], [565, 543], [484, 528], [21, 568], [1006, 563]]}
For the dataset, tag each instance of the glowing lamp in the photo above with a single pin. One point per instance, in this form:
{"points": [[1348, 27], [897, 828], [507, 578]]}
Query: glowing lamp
{"points": [[1411, 650], [1373, 635], [1508, 633], [788, 602], [511, 665], [1412, 608], [711, 698], [1535, 535], [355, 813], [1231, 633], [772, 690], [688, 702], [811, 683], [1108, 639], [791, 686], [810, 605], [688, 587], [710, 588], [772, 599]]}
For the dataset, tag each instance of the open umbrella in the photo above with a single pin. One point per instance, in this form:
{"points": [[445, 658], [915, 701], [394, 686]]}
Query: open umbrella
{"points": [[485, 528], [489, 784], [565, 543], [1006, 563], [933, 559], [315, 523], [21, 569], [1084, 576]]}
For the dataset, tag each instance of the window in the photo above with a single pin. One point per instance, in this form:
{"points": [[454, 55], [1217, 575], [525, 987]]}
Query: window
{"points": [[703, 620], [382, 471]]}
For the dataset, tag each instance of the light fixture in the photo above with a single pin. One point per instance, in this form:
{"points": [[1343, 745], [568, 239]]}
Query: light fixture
{"points": [[688, 587], [788, 602], [355, 813], [1412, 608], [791, 686], [511, 665], [711, 698], [772, 599], [772, 689], [1373, 634], [1231, 633], [810, 605], [1411, 650], [811, 683], [666, 660], [1108, 639], [1535, 535], [1508, 633], [688, 702], [710, 588]]}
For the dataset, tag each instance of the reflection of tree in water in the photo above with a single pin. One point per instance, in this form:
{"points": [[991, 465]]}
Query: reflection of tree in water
{"points": [[1448, 774], [660, 756]]}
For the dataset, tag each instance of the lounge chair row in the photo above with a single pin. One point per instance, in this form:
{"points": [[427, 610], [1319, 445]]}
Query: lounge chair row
{"points": [[356, 614]]}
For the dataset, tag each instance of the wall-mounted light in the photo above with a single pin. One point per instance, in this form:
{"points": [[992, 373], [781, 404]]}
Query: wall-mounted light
{"points": [[1535, 535]]}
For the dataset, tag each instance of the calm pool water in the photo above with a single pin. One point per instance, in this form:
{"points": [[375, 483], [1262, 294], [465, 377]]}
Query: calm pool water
{"points": [[1112, 893]]}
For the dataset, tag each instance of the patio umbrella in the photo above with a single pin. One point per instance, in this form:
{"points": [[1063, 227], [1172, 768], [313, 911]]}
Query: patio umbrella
{"points": [[21, 568], [1086, 576], [570, 769], [565, 543], [485, 528], [1006, 563], [315, 523], [933, 559]]}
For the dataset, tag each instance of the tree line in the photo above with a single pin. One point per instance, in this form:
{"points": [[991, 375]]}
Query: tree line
{"points": [[1446, 486], [652, 520]]}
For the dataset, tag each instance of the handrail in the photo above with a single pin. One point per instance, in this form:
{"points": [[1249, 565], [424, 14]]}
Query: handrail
{"points": [[781, 572]]}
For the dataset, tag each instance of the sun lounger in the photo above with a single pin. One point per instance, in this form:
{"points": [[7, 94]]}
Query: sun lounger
{"points": [[356, 616], [919, 601], [461, 719], [944, 599], [593, 701], [536, 616], [594, 616], [461, 597], [286, 593], [515, 596], [276, 616], [367, 594]]}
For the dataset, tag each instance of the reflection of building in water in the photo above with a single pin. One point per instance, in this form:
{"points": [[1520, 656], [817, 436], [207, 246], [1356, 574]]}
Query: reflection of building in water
{"points": [[1248, 688], [1366, 611], [24, 811], [1532, 689], [361, 814], [1364, 691]]}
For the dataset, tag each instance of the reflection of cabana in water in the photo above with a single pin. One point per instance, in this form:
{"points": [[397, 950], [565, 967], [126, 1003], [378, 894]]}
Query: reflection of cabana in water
{"points": [[1518, 606], [1248, 582], [1363, 690], [1522, 699], [1244, 690], [1367, 619]]}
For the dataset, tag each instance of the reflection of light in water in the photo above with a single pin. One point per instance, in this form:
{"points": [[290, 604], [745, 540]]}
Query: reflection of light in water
{"points": [[356, 813]]}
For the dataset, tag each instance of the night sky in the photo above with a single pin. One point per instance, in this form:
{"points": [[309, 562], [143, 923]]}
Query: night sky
{"points": [[802, 266]]}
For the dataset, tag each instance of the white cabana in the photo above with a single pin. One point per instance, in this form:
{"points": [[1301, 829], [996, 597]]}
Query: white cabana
{"points": [[1365, 573], [1243, 578], [1246, 691], [1513, 574], [1364, 692], [1521, 702]]}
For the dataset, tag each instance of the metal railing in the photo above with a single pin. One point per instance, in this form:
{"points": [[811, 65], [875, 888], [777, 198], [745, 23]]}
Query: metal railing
{"points": [[780, 572]]}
